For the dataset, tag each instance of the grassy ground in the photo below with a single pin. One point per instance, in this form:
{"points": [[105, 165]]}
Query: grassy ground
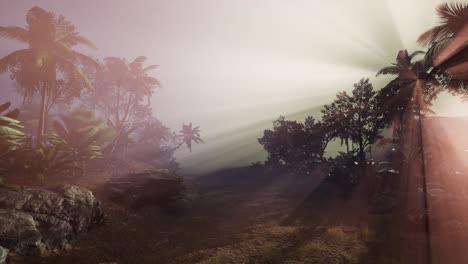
{"points": [[238, 218]]}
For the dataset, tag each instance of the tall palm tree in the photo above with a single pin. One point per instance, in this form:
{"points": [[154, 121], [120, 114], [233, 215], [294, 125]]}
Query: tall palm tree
{"points": [[49, 54], [449, 41], [143, 83], [410, 92], [123, 87], [189, 134], [413, 78], [133, 84]]}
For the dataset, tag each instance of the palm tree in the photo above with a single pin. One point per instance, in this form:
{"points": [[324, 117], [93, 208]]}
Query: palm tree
{"points": [[412, 89], [410, 93], [189, 134], [449, 41], [132, 85], [49, 54], [144, 84], [124, 85]]}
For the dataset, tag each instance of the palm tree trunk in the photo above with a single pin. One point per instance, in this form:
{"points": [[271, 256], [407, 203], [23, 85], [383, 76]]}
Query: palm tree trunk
{"points": [[178, 146], [424, 187], [41, 127], [48, 84]]}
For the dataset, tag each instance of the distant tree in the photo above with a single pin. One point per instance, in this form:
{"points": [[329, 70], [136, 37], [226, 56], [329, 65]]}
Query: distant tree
{"points": [[49, 55], [189, 134], [294, 144], [355, 117], [155, 144], [365, 121], [153, 133], [123, 95], [335, 118]]}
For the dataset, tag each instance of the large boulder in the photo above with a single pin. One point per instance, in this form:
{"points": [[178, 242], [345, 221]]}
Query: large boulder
{"points": [[35, 219], [159, 188]]}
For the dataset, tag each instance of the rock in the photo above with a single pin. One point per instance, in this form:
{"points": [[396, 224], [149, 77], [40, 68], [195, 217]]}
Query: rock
{"points": [[38, 219], [18, 230], [153, 188], [3, 255]]}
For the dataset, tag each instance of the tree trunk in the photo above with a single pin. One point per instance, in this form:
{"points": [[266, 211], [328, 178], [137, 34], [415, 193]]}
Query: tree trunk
{"points": [[41, 127], [178, 146], [362, 153], [48, 84]]}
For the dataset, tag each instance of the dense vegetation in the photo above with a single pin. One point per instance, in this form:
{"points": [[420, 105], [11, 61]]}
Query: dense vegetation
{"points": [[358, 119], [78, 111], [82, 117]]}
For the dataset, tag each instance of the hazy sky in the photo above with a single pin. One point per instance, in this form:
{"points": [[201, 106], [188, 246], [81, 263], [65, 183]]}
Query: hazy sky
{"points": [[234, 66]]}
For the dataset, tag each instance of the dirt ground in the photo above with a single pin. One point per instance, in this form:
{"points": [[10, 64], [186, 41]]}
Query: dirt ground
{"points": [[239, 216]]}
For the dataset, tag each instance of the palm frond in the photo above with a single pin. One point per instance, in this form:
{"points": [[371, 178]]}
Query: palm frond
{"points": [[453, 13], [74, 39], [13, 59], [416, 53], [84, 59], [403, 59], [393, 70], [15, 33], [453, 17], [149, 68], [138, 62], [432, 35]]}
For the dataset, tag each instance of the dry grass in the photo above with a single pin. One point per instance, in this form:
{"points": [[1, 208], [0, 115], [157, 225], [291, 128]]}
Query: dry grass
{"points": [[335, 245], [266, 245], [294, 245]]}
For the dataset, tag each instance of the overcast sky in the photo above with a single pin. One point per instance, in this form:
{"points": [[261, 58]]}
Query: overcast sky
{"points": [[234, 66]]}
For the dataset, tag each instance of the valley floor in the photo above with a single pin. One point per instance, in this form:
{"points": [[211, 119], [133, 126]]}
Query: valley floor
{"points": [[237, 218]]}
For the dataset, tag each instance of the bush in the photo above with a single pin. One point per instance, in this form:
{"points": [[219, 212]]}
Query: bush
{"points": [[295, 145], [343, 170], [82, 135], [31, 163]]}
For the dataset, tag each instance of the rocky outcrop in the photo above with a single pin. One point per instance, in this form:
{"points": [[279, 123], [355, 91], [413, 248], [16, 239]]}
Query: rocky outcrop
{"points": [[3, 255], [152, 188], [39, 219]]}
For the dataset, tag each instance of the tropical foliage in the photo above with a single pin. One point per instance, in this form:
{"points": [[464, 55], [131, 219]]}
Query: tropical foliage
{"points": [[114, 117], [49, 54], [82, 135], [294, 144], [124, 95], [10, 134], [190, 134]]}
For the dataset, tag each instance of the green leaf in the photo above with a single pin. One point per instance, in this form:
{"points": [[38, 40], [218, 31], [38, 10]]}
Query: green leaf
{"points": [[4, 130]]}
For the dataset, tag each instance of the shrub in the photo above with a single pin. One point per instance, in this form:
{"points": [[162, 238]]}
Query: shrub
{"points": [[343, 170], [34, 163], [82, 135]]}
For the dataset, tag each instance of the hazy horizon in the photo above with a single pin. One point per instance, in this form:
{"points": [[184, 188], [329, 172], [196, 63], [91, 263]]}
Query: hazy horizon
{"points": [[234, 66]]}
